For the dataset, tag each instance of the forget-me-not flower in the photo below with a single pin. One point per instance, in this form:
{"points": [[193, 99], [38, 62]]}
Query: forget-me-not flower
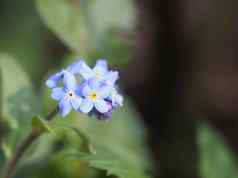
{"points": [[74, 68], [67, 95], [94, 92], [100, 73], [94, 97], [53, 81]]}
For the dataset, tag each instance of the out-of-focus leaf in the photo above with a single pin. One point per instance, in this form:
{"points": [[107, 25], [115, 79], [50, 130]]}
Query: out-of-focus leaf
{"points": [[65, 19], [19, 100], [24, 36], [107, 15], [217, 160], [93, 28]]}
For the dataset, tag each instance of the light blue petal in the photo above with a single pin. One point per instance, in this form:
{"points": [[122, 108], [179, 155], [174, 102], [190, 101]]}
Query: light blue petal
{"points": [[76, 102], [105, 91], [101, 106], [79, 88], [75, 67], [86, 106], [57, 93], [65, 107], [100, 68], [53, 80], [102, 62], [86, 91], [118, 100], [94, 84], [69, 81], [86, 71], [111, 77]]}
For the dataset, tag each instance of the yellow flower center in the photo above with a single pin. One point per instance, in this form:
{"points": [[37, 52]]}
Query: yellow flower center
{"points": [[93, 95]]}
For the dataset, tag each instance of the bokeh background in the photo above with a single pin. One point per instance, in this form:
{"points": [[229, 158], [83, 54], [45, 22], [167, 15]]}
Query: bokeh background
{"points": [[179, 74]]}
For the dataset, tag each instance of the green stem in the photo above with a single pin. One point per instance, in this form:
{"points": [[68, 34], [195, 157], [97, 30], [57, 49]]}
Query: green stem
{"points": [[23, 146]]}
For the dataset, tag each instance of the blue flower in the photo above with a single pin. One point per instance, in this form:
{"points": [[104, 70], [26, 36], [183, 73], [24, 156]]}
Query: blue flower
{"points": [[100, 73], [67, 96], [115, 98], [103, 116], [76, 67], [94, 97], [54, 80], [95, 93]]}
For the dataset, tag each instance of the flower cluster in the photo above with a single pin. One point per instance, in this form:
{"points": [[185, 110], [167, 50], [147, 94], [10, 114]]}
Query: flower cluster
{"points": [[86, 90]]}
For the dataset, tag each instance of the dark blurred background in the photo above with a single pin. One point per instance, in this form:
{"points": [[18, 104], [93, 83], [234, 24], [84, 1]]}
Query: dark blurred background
{"points": [[183, 71]]}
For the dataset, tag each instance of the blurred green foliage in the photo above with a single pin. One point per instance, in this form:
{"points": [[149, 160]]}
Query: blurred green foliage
{"points": [[216, 158], [123, 138], [78, 146], [96, 148], [22, 34], [19, 101], [91, 28]]}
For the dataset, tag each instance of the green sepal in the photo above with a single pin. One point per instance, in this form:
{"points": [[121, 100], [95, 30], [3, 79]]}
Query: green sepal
{"points": [[40, 125]]}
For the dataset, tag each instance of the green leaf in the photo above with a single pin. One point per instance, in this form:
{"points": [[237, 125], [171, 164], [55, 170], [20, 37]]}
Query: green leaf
{"points": [[19, 101], [120, 140], [107, 15], [216, 158], [40, 125], [25, 38], [104, 159], [72, 137], [91, 26], [64, 18]]}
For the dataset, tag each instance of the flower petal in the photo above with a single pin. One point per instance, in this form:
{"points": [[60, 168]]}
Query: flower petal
{"points": [[118, 100], [94, 84], [57, 93], [69, 81], [65, 107], [101, 106], [75, 102], [86, 71], [100, 68], [75, 67], [53, 80], [86, 91], [102, 63], [86, 106], [79, 88], [111, 77], [105, 91], [107, 115]]}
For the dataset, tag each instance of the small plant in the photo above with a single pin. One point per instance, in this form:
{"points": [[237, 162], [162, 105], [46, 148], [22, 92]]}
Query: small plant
{"points": [[86, 134], [86, 90], [94, 94]]}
